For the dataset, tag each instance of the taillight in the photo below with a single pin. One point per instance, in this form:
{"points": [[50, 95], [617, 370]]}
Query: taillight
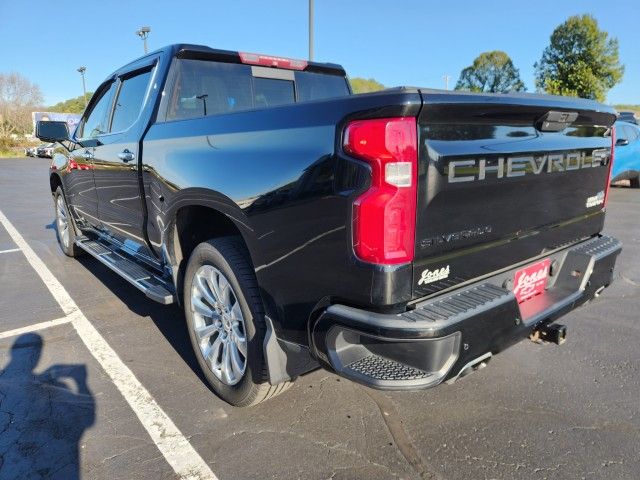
{"points": [[72, 165], [384, 217], [269, 61], [613, 148]]}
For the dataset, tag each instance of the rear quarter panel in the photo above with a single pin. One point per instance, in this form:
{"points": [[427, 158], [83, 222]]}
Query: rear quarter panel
{"points": [[277, 174]]}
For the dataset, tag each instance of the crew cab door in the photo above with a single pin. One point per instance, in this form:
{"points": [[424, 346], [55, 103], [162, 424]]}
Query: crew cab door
{"points": [[80, 186], [117, 167]]}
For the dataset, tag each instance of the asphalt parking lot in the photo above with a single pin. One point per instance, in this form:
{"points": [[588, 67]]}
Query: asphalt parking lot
{"points": [[535, 412]]}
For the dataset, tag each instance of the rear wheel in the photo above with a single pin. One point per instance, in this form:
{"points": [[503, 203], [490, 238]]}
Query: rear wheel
{"points": [[225, 318], [64, 226]]}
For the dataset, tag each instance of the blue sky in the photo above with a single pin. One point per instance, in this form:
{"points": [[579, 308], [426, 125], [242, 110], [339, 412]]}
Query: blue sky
{"points": [[397, 42]]}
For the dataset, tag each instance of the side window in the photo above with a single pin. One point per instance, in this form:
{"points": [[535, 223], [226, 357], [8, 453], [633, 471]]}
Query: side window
{"points": [[97, 123], [129, 101], [632, 134]]}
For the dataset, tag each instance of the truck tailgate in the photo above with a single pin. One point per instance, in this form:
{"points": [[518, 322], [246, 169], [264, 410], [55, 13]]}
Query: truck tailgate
{"points": [[504, 179]]}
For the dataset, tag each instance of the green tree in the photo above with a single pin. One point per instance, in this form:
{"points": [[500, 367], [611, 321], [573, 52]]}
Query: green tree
{"points": [[581, 60], [491, 72], [73, 105], [363, 85]]}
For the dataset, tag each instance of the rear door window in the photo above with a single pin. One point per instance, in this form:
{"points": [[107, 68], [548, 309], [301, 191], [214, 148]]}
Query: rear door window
{"points": [[129, 101]]}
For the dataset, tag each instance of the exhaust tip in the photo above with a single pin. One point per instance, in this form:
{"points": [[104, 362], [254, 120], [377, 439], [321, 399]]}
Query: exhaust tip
{"points": [[474, 365]]}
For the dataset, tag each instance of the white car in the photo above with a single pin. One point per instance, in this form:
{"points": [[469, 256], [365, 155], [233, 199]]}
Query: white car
{"points": [[30, 151], [45, 150]]}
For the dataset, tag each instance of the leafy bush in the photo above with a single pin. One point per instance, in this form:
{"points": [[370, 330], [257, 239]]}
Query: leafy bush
{"points": [[7, 143]]}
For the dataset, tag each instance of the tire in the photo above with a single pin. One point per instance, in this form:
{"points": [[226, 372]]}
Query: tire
{"points": [[65, 228], [221, 265], [635, 182]]}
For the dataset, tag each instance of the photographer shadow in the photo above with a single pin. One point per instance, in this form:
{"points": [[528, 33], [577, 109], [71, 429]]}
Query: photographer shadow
{"points": [[42, 415]]}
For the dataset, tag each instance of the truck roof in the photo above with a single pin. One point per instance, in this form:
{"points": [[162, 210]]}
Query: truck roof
{"points": [[192, 51]]}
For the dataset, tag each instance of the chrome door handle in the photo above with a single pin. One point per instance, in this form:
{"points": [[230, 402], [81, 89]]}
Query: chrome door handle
{"points": [[87, 155], [126, 156]]}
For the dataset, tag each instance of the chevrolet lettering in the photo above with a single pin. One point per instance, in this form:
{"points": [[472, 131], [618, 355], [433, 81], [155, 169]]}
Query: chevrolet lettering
{"points": [[459, 170]]}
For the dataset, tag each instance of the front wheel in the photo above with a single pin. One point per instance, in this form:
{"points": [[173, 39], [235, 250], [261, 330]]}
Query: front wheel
{"points": [[64, 226], [225, 319]]}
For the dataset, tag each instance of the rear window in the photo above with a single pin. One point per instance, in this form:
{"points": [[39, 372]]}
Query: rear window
{"points": [[202, 88], [271, 92], [317, 86]]}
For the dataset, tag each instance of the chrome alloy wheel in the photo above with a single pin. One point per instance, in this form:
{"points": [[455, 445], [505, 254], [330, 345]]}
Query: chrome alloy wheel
{"points": [[219, 325], [62, 222]]}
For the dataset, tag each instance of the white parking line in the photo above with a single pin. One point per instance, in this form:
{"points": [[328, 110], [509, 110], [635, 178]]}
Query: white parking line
{"points": [[10, 250], [173, 445], [36, 326]]}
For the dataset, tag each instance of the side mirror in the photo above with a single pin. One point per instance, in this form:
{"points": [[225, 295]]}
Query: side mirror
{"points": [[621, 142], [50, 131]]}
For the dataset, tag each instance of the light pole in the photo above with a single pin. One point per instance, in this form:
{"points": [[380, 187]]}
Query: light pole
{"points": [[310, 29], [446, 79], [84, 86], [143, 33]]}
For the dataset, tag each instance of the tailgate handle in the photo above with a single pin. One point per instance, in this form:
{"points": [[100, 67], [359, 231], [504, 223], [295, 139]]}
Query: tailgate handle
{"points": [[555, 121]]}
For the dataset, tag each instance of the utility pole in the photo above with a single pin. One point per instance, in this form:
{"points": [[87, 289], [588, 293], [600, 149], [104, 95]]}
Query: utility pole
{"points": [[446, 81], [310, 30], [81, 70], [143, 33]]}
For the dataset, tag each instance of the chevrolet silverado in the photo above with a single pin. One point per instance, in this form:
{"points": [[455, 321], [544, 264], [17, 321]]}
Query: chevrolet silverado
{"points": [[399, 239]]}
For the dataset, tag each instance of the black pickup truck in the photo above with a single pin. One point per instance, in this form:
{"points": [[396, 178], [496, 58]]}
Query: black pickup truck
{"points": [[398, 239]]}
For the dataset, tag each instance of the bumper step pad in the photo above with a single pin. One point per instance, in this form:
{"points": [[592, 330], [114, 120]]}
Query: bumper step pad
{"points": [[458, 304], [141, 277], [599, 247], [381, 368], [454, 333]]}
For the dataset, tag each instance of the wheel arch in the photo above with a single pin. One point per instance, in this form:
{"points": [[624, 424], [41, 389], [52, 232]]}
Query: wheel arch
{"points": [[197, 222], [55, 181]]}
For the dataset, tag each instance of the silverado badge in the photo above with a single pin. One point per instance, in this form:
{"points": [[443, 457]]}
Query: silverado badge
{"points": [[429, 276], [597, 199]]}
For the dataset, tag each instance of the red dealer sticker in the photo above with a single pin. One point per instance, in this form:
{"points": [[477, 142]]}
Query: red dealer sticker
{"points": [[531, 281]]}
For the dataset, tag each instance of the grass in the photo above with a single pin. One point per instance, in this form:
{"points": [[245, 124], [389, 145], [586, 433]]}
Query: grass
{"points": [[626, 108], [12, 152]]}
